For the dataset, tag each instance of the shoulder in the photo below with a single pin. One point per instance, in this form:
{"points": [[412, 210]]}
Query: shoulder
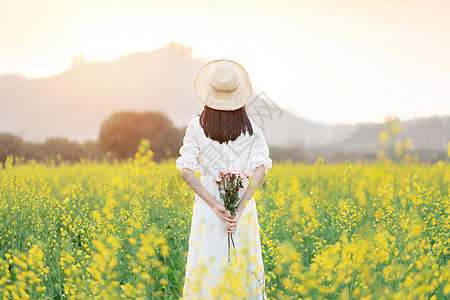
{"points": [[256, 125], [194, 122]]}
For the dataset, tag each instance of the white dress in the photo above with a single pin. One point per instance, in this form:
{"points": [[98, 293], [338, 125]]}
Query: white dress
{"points": [[209, 275]]}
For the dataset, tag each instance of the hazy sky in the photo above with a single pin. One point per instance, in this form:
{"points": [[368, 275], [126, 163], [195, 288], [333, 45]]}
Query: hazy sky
{"points": [[334, 61]]}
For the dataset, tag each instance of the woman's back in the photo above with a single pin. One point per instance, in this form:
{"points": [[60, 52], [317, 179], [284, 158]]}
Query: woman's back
{"points": [[202, 154]]}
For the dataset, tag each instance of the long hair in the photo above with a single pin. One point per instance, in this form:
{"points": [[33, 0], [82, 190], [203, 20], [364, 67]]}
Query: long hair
{"points": [[225, 125]]}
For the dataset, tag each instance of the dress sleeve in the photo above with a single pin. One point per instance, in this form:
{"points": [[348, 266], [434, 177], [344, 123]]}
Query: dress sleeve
{"points": [[259, 151], [190, 150]]}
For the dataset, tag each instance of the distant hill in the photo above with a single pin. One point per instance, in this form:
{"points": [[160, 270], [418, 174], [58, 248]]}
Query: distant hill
{"points": [[427, 133], [74, 103]]}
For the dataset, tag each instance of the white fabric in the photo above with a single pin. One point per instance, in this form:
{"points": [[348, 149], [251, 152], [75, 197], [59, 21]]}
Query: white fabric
{"points": [[208, 238]]}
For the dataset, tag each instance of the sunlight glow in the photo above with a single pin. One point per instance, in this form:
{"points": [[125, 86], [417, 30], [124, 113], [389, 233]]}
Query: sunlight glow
{"points": [[316, 58]]}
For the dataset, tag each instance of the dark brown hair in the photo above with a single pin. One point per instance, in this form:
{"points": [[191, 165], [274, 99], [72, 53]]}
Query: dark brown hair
{"points": [[225, 125]]}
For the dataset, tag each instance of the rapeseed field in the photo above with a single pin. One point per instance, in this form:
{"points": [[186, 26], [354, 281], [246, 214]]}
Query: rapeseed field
{"points": [[120, 230]]}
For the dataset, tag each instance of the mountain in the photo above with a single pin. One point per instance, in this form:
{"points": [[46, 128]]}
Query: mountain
{"points": [[74, 103], [431, 133]]}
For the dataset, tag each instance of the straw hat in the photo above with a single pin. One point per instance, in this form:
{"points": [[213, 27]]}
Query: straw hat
{"points": [[223, 85]]}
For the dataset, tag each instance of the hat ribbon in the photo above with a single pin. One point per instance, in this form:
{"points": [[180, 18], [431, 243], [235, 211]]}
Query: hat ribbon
{"points": [[225, 91]]}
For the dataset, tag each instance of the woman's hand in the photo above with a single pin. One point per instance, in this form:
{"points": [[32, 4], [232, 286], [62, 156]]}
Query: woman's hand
{"points": [[232, 221], [220, 210]]}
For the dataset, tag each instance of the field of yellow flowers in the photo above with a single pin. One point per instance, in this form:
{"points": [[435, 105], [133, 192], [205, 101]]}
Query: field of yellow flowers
{"points": [[120, 230]]}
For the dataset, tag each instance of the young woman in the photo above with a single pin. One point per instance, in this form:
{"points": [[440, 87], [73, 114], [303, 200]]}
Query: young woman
{"points": [[223, 136]]}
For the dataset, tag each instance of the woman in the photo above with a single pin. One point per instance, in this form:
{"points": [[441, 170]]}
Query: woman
{"points": [[222, 137]]}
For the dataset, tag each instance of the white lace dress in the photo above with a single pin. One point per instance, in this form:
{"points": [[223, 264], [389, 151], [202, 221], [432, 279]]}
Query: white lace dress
{"points": [[207, 261]]}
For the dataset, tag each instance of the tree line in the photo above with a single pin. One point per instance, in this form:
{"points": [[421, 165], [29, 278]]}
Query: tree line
{"points": [[121, 133], [119, 138]]}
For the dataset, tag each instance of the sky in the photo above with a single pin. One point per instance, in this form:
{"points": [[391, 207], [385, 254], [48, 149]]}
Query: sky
{"points": [[346, 61]]}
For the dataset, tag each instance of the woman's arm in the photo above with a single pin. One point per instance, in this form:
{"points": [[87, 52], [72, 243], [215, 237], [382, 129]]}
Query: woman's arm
{"points": [[189, 177], [254, 183]]}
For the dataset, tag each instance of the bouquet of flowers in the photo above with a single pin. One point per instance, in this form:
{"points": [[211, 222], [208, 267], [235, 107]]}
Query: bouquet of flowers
{"points": [[229, 182]]}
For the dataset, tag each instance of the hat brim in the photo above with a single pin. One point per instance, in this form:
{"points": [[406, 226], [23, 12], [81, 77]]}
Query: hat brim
{"points": [[240, 97]]}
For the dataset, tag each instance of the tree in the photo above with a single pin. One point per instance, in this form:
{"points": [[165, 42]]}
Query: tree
{"points": [[122, 132], [9, 144], [67, 150]]}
